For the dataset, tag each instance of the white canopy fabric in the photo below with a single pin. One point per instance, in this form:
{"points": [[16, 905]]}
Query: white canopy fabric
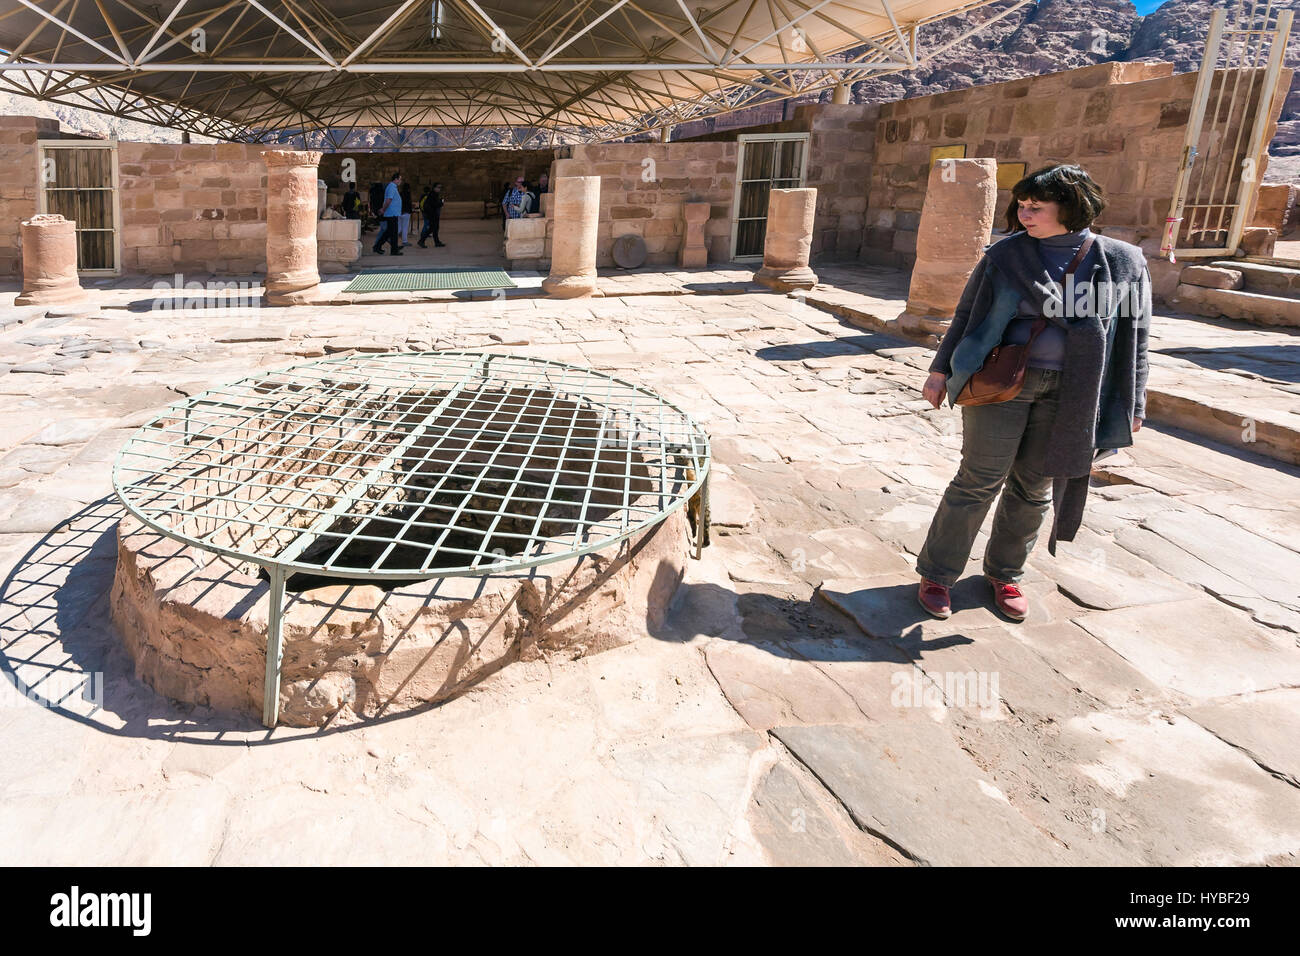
{"points": [[534, 72]]}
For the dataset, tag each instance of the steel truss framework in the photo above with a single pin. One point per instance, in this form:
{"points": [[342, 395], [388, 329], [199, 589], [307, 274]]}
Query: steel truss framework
{"points": [[526, 74]]}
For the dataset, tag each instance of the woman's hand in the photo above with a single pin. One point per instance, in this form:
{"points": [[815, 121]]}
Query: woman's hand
{"points": [[936, 385], [1137, 425]]}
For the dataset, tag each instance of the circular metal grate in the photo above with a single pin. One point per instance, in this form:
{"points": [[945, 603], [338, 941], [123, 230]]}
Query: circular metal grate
{"points": [[402, 466]]}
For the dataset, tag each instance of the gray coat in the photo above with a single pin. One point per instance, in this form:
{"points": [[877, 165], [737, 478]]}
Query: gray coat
{"points": [[1103, 383]]}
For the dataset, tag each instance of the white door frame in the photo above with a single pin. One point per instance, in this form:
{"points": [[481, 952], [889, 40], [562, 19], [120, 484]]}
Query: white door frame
{"points": [[42, 206], [742, 140]]}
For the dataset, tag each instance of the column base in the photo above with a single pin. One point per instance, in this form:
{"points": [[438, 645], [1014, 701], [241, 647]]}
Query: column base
{"points": [[569, 287], [693, 258], [308, 296], [52, 297], [923, 324], [786, 280]]}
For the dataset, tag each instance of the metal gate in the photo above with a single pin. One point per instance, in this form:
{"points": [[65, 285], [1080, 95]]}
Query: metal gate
{"points": [[1223, 150], [766, 162], [78, 180]]}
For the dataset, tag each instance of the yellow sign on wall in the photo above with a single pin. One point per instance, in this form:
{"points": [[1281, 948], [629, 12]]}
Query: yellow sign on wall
{"points": [[947, 152], [1009, 174]]}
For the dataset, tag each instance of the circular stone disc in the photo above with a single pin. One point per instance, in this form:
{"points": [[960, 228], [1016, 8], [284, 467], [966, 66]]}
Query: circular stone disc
{"points": [[629, 252], [403, 466]]}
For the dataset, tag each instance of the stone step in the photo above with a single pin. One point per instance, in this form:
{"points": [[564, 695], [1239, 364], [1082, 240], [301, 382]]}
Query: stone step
{"points": [[1230, 409], [1254, 307], [1264, 278]]}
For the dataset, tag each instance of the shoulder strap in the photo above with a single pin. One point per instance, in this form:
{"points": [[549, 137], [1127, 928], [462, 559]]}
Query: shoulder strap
{"points": [[1078, 256], [1041, 323]]}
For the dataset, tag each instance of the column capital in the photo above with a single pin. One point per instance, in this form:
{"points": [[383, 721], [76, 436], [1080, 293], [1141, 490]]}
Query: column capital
{"points": [[291, 157]]}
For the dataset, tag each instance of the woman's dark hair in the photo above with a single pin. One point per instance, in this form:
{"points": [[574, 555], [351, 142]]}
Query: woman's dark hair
{"points": [[1069, 186]]}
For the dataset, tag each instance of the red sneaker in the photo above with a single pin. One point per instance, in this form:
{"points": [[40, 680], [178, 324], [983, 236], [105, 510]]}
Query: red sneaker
{"points": [[934, 598], [1010, 600]]}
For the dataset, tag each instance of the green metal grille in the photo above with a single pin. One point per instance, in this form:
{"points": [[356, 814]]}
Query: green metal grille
{"points": [[401, 466], [430, 280]]}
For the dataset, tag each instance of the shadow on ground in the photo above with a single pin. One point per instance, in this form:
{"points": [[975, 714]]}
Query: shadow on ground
{"points": [[60, 649]]}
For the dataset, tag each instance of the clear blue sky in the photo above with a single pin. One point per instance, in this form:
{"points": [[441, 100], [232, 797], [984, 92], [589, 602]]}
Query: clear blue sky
{"points": [[1146, 6]]}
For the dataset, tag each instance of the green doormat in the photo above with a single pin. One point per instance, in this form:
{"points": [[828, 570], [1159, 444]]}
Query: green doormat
{"points": [[429, 280]]}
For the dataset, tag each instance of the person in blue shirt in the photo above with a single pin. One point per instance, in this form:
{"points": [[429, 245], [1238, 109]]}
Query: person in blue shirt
{"points": [[390, 212]]}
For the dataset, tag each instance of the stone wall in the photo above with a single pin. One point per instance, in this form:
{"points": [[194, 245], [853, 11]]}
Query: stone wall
{"points": [[470, 176], [1123, 122], [18, 186], [643, 187], [192, 208], [841, 148], [1275, 207]]}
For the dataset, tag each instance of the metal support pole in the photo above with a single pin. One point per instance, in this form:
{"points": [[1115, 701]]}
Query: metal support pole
{"points": [[274, 647], [702, 525]]}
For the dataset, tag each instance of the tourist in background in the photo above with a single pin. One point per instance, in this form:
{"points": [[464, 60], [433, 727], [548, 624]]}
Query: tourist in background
{"points": [[543, 185], [1084, 386], [405, 217], [431, 207], [514, 199], [351, 205], [377, 207], [389, 211]]}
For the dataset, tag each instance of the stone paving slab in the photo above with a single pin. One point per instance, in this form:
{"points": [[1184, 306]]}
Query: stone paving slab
{"points": [[1211, 653], [1183, 796], [797, 826], [909, 783], [1264, 726]]}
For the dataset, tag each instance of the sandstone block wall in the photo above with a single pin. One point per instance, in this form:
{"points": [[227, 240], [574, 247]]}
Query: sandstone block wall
{"points": [[1275, 207], [192, 208], [1123, 122], [841, 151], [643, 187], [528, 242], [19, 184]]}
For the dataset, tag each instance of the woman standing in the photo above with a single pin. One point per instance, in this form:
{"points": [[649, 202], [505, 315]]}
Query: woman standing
{"points": [[1084, 387]]}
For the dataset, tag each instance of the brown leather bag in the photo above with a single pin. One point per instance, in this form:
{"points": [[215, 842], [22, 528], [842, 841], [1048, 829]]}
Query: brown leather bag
{"points": [[1002, 375]]}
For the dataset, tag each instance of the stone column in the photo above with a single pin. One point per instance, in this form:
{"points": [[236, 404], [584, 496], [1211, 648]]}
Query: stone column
{"points": [[954, 228], [292, 276], [694, 253], [790, 215], [49, 262], [842, 94], [576, 212]]}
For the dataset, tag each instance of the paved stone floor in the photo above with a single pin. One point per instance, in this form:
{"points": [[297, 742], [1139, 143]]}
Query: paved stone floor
{"points": [[797, 707]]}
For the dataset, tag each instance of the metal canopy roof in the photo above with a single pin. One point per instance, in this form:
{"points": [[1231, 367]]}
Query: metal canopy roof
{"points": [[483, 73]]}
